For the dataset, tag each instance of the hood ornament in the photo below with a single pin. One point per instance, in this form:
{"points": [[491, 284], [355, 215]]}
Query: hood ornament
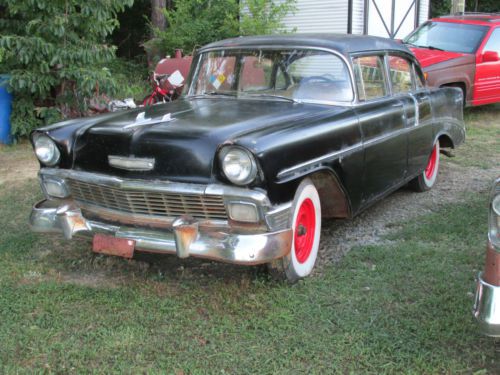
{"points": [[141, 119], [131, 163]]}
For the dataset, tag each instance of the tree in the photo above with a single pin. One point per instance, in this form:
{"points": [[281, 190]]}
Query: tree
{"points": [[193, 23], [56, 51]]}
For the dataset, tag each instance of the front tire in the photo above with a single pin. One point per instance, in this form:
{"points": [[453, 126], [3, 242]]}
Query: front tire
{"points": [[427, 179], [306, 226]]}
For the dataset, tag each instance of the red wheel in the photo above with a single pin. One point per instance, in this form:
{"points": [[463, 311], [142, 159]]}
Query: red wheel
{"points": [[427, 179], [304, 231], [306, 226]]}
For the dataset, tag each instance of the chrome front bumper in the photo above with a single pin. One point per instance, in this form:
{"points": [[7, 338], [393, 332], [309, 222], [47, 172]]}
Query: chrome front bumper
{"points": [[487, 307], [184, 238]]}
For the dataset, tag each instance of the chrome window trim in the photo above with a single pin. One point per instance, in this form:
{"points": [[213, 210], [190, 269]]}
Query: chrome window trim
{"points": [[279, 46]]}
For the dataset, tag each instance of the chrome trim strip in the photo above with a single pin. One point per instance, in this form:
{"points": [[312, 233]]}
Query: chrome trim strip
{"points": [[348, 150], [131, 163], [328, 157]]}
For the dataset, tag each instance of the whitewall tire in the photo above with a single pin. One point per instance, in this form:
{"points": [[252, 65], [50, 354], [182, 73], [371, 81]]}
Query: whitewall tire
{"points": [[306, 226]]}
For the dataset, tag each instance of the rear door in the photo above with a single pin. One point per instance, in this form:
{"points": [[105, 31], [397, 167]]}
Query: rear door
{"points": [[407, 86], [487, 81]]}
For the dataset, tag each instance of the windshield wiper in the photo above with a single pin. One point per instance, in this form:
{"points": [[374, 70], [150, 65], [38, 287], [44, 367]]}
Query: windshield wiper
{"points": [[435, 48], [281, 97], [428, 47]]}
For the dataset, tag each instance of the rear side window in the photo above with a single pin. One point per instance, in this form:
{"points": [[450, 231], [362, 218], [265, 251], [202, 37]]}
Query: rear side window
{"points": [[370, 77], [400, 71]]}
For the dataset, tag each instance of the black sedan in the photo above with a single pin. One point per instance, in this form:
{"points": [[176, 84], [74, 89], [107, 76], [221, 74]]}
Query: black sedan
{"points": [[272, 134]]}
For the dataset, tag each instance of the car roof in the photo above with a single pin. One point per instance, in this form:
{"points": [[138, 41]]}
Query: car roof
{"points": [[343, 43], [487, 19]]}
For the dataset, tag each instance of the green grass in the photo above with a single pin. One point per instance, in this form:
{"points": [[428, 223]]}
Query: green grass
{"points": [[382, 309], [482, 145]]}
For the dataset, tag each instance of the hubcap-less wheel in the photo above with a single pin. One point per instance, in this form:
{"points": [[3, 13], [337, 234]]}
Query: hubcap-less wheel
{"points": [[426, 180], [431, 171], [306, 225]]}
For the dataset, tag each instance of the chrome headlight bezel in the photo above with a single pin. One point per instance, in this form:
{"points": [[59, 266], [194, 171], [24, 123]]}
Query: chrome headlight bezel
{"points": [[46, 150], [238, 165]]}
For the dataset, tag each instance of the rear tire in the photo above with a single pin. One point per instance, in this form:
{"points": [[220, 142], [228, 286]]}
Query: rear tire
{"points": [[306, 226], [427, 179]]}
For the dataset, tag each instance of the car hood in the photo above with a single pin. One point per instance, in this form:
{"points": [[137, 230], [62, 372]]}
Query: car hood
{"points": [[428, 57], [183, 136]]}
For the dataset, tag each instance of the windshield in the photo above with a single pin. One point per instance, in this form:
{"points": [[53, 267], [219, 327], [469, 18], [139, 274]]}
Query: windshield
{"points": [[448, 36], [272, 74]]}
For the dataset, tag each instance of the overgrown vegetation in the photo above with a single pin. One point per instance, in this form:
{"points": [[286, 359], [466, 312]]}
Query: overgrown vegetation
{"points": [[56, 53], [193, 23], [443, 7]]}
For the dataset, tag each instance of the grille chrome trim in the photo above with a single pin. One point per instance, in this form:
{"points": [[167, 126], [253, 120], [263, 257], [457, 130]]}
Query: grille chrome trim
{"points": [[156, 203]]}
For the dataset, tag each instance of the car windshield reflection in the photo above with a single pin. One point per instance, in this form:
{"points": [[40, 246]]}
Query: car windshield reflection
{"points": [[298, 75]]}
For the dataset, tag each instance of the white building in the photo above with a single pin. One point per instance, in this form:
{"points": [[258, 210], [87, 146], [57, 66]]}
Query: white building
{"points": [[386, 18]]}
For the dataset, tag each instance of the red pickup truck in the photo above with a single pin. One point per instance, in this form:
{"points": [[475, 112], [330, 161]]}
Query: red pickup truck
{"points": [[461, 51]]}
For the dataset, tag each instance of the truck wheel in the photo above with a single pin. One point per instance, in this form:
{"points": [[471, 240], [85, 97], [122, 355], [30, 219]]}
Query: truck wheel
{"points": [[427, 179], [306, 226]]}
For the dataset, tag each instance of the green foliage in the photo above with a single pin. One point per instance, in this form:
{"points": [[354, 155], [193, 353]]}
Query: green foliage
{"points": [[443, 7], [260, 17], [55, 51], [193, 23]]}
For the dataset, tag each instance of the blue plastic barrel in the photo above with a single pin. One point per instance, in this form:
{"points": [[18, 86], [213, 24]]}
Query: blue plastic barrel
{"points": [[5, 110]]}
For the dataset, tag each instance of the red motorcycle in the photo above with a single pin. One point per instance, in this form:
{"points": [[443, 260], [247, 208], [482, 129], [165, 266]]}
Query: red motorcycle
{"points": [[163, 90]]}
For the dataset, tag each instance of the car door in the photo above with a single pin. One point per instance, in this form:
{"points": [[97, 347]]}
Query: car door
{"points": [[407, 85], [487, 80], [382, 120]]}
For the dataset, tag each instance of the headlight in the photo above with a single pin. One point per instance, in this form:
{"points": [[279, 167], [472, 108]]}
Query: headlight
{"points": [[494, 222], [46, 150], [238, 165]]}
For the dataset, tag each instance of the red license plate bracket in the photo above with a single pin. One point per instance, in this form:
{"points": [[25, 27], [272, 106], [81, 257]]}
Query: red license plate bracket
{"points": [[109, 245]]}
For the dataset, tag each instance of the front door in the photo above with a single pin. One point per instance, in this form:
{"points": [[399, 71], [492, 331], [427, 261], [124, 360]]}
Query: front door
{"points": [[382, 120], [487, 81]]}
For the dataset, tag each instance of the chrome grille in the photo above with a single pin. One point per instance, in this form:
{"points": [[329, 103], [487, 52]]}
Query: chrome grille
{"points": [[156, 203]]}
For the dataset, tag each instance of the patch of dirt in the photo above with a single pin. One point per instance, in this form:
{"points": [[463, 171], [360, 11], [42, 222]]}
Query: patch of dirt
{"points": [[17, 165]]}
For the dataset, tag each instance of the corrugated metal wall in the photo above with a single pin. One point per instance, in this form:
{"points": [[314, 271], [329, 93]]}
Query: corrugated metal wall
{"points": [[423, 12], [332, 16], [319, 16]]}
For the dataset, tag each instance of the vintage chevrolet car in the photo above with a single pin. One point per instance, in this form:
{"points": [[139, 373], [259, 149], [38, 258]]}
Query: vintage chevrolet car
{"points": [[487, 302], [272, 134]]}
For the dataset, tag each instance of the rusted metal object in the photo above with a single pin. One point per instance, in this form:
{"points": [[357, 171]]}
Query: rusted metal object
{"points": [[169, 66], [113, 246], [186, 232], [492, 267]]}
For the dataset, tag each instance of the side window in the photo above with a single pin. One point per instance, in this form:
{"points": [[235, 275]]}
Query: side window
{"points": [[400, 71], [493, 44], [417, 73], [369, 75]]}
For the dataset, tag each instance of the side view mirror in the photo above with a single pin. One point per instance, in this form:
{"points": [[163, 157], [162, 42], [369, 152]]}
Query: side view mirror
{"points": [[490, 56]]}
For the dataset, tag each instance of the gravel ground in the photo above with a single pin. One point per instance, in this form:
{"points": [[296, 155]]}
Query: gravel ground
{"points": [[338, 237]]}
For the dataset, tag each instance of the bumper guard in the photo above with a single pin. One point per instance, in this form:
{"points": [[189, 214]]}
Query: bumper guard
{"points": [[184, 238]]}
